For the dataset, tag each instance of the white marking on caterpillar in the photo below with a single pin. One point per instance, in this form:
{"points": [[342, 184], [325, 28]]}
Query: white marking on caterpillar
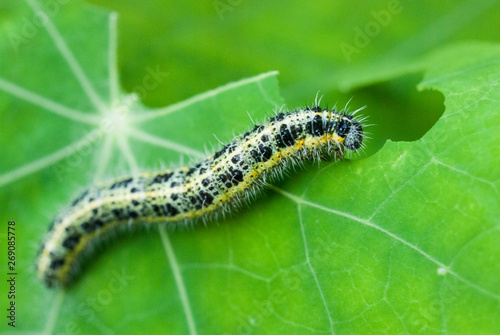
{"points": [[215, 186]]}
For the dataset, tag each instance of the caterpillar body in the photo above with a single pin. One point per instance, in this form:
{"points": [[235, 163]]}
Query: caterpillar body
{"points": [[216, 185]]}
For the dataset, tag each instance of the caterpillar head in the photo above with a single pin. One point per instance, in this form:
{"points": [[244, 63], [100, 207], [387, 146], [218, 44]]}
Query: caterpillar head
{"points": [[351, 131]]}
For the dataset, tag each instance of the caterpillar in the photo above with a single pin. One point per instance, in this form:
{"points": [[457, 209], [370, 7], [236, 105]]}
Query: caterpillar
{"points": [[216, 185]]}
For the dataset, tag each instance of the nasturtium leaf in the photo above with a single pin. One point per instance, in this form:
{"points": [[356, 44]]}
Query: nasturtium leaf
{"points": [[404, 241]]}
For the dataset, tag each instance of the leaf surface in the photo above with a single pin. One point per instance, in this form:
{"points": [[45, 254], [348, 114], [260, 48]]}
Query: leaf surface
{"points": [[404, 241]]}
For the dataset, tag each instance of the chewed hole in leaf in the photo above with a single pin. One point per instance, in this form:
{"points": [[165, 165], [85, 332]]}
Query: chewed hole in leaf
{"points": [[405, 114]]}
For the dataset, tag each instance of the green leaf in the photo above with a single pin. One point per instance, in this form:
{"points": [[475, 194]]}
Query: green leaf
{"points": [[404, 241]]}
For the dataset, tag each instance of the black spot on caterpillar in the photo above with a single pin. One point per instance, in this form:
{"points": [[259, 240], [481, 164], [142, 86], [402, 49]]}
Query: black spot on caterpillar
{"points": [[216, 185]]}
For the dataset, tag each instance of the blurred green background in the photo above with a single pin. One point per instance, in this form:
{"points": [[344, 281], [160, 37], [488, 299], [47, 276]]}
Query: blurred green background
{"points": [[203, 45]]}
